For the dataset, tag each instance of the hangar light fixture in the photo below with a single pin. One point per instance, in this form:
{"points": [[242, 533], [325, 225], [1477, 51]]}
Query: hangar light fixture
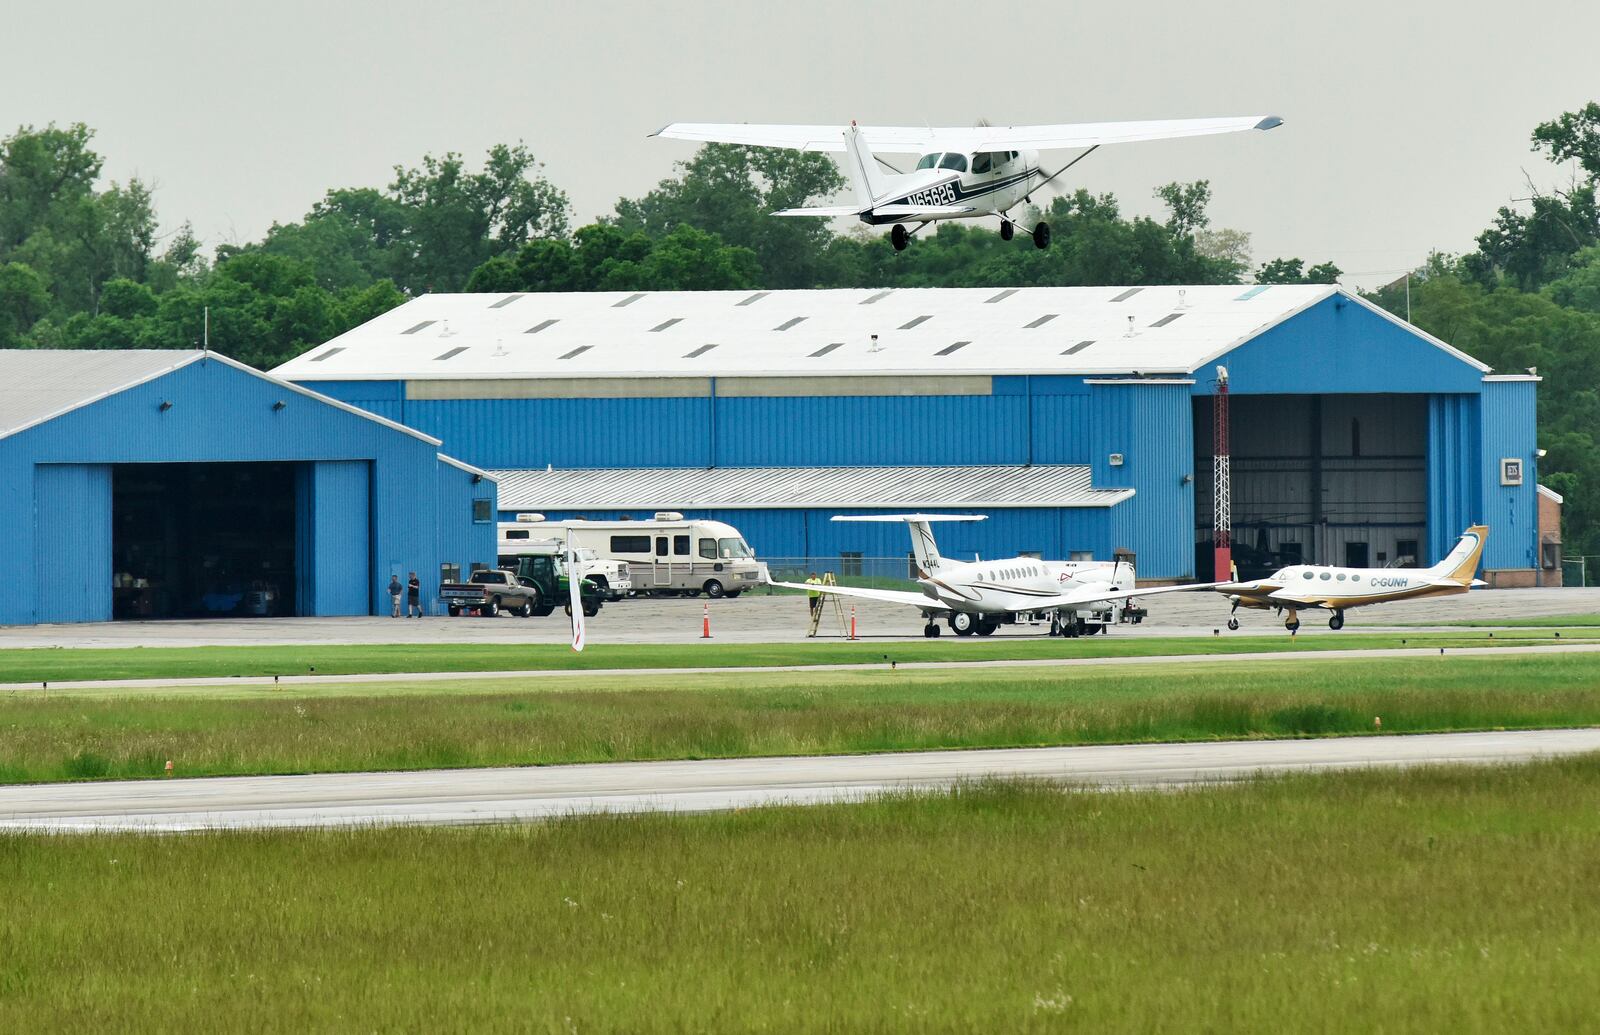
{"points": [[165, 406], [280, 404]]}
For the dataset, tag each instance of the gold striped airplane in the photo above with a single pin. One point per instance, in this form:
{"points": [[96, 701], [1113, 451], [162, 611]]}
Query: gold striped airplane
{"points": [[1303, 586]]}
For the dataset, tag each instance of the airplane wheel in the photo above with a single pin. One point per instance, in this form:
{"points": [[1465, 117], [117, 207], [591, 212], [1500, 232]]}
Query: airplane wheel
{"points": [[1007, 229], [1293, 626], [1041, 236], [987, 628], [930, 630], [1336, 622], [1233, 625], [898, 237], [962, 623]]}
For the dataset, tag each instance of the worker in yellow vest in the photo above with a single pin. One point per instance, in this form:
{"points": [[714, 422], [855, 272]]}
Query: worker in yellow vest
{"points": [[813, 597]]}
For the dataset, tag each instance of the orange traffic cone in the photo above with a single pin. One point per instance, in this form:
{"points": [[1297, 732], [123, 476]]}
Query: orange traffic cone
{"points": [[852, 621], [169, 767], [705, 623]]}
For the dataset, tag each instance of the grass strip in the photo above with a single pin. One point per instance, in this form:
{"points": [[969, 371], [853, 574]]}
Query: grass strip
{"points": [[345, 727], [33, 665], [1421, 900]]}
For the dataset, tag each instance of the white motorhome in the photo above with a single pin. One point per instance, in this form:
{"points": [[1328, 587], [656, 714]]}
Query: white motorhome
{"points": [[666, 554]]}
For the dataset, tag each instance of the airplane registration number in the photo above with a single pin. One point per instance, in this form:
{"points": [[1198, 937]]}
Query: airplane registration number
{"points": [[943, 194]]}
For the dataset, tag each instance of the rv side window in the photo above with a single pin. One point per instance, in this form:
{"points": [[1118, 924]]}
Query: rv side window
{"points": [[517, 533], [708, 549], [680, 545], [661, 546], [630, 544]]}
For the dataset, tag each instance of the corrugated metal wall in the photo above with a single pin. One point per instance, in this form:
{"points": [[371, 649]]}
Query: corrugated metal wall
{"points": [[1511, 511], [333, 563], [569, 432], [870, 430], [72, 535], [1455, 499], [1151, 427], [463, 542]]}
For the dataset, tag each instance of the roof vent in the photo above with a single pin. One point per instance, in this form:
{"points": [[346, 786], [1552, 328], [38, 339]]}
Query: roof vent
{"points": [[753, 299], [1130, 332], [1078, 347], [877, 297], [785, 325], [627, 301], [664, 324], [418, 327], [1001, 297], [701, 351], [1127, 294], [874, 347], [1166, 319], [458, 350], [530, 518], [505, 301], [541, 325], [825, 349], [580, 350], [1041, 321], [914, 321], [958, 346], [326, 355], [499, 349], [668, 515]]}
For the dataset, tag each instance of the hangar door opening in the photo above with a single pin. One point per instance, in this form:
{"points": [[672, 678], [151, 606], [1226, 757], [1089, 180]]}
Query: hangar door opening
{"points": [[1318, 479], [196, 540]]}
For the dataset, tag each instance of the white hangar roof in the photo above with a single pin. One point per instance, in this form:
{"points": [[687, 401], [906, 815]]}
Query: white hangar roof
{"points": [[923, 331]]}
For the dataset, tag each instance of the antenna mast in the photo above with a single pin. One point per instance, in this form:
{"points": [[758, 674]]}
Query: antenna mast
{"points": [[1221, 483]]}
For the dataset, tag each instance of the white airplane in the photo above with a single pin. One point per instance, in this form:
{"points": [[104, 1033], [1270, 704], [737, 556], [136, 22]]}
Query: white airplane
{"points": [[1302, 586], [962, 173], [980, 596]]}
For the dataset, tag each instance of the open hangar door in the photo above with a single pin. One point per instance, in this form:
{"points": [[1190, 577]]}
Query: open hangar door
{"points": [[193, 540], [1318, 479]]}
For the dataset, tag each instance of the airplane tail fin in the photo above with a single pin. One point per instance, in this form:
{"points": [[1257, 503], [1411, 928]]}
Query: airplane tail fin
{"points": [[863, 169], [923, 547], [1462, 562]]}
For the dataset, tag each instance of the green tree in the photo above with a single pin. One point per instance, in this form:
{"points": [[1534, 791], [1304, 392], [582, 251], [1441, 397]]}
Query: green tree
{"points": [[24, 299], [1293, 271]]}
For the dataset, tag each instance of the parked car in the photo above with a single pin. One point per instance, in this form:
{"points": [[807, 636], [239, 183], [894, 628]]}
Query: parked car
{"points": [[535, 592]]}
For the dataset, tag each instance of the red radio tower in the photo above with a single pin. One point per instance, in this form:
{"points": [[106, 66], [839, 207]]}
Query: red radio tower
{"points": [[1221, 483]]}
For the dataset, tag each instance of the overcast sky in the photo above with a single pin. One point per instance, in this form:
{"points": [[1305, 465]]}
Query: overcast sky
{"points": [[1406, 122]]}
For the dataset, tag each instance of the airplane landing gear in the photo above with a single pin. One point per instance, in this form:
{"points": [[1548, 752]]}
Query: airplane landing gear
{"points": [[899, 237], [1337, 621], [962, 623], [1041, 236], [1291, 622], [1233, 625], [930, 630], [1007, 229]]}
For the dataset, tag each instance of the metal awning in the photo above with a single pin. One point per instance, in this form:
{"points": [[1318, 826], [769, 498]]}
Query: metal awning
{"points": [[840, 488]]}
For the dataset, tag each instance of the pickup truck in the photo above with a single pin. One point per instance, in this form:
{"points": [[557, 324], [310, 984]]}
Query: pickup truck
{"points": [[609, 575], [488, 592], [535, 587]]}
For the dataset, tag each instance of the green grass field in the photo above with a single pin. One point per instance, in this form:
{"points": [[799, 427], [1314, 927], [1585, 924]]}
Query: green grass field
{"points": [[34, 665], [104, 733], [1585, 621], [1407, 901]]}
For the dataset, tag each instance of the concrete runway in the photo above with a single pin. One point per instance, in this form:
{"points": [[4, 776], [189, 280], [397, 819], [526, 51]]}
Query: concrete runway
{"points": [[515, 794], [758, 618]]}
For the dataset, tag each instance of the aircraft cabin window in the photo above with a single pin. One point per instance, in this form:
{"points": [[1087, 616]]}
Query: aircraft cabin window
{"points": [[981, 162], [928, 161], [1355, 578], [1341, 576], [1308, 575], [955, 161], [1326, 576]]}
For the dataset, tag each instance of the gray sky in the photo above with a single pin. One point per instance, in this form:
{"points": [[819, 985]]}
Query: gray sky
{"points": [[1406, 123]]}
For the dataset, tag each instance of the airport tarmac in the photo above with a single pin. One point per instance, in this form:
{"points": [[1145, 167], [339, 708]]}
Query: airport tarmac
{"points": [[518, 794], [759, 618]]}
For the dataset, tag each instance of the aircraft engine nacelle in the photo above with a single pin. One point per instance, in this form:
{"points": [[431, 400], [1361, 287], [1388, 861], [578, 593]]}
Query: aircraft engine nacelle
{"points": [[1098, 605]]}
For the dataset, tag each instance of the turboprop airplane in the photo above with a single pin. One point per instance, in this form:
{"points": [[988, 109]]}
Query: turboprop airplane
{"points": [[1302, 586], [980, 596], [963, 173]]}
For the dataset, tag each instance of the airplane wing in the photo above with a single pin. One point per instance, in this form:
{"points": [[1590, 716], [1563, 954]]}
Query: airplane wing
{"points": [[1088, 595], [928, 211], [920, 139], [833, 210], [892, 596]]}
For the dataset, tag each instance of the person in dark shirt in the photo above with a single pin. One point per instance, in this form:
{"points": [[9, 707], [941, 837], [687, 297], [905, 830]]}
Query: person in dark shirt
{"points": [[395, 589], [413, 596]]}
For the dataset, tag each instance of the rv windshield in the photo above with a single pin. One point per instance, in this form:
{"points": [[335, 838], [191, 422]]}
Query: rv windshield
{"points": [[733, 548]]}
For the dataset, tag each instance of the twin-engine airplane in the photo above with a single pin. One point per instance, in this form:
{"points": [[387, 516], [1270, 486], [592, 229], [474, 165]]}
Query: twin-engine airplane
{"points": [[1301, 586], [980, 596], [962, 173]]}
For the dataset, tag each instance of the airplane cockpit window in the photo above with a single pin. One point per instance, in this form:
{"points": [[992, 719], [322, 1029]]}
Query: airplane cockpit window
{"points": [[981, 162], [928, 161], [955, 161]]}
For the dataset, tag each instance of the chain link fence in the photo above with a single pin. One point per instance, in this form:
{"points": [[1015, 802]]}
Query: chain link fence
{"points": [[847, 570]]}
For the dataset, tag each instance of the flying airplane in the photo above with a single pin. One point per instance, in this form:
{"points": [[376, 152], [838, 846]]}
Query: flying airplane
{"points": [[962, 173], [978, 597], [1302, 586]]}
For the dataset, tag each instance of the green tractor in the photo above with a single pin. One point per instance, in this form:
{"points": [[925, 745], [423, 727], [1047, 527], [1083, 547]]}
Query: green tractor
{"points": [[547, 572]]}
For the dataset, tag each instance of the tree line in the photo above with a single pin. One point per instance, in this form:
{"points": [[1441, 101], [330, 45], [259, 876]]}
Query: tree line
{"points": [[83, 264]]}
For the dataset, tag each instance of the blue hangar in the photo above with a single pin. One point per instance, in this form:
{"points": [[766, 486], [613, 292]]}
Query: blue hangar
{"points": [[148, 484], [1078, 419]]}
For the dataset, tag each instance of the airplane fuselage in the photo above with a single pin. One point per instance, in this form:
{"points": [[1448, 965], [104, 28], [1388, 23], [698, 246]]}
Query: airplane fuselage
{"points": [[1303, 587], [1005, 586], [988, 187]]}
